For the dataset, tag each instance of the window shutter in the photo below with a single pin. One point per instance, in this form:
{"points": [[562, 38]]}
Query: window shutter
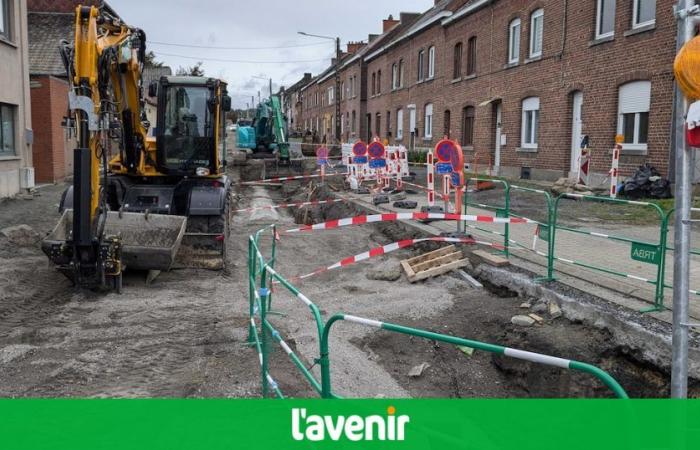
{"points": [[635, 97]]}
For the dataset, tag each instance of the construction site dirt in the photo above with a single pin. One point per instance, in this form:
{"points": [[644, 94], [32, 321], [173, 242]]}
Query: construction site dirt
{"points": [[186, 334]]}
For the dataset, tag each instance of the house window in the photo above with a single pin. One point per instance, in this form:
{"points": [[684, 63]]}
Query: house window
{"points": [[536, 30], [633, 117], [331, 95], [431, 62], [399, 124], [5, 19], [394, 76], [531, 122], [421, 57], [342, 90], [428, 131], [374, 83], [468, 126], [354, 122], [605, 18], [457, 63], [514, 41], [379, 82], [400, 72], [388, 123], [471, 56], [7, 130], [644, 13], [378, 124]]}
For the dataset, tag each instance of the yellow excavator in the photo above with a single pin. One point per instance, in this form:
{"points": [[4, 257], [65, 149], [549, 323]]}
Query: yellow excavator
{"points": [[137, 200]]}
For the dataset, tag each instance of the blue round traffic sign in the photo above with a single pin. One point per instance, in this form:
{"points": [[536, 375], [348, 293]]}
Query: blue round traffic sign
{"points": [[376, 150], [359, 149]]}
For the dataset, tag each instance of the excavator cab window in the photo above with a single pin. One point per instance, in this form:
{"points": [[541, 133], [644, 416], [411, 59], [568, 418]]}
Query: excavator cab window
{"points": [[186, 140]]}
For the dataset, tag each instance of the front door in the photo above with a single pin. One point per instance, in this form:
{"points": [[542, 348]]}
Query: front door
{"points": [[497, 150], [576, 132]]}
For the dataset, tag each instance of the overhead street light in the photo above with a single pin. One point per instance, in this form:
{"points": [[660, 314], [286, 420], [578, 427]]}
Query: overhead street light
{"points": [[337, 78]]}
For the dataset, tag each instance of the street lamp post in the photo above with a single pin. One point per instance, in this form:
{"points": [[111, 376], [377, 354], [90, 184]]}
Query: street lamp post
{"points": [[337, 80]]}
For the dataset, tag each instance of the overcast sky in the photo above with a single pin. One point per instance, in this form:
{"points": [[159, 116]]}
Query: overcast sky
{"points": [[256, 23]]}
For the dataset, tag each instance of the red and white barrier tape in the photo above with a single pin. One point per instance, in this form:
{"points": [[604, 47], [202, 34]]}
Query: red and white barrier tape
{"points": [[291, 205], [378, 251], [296, 177], [390, 217]]}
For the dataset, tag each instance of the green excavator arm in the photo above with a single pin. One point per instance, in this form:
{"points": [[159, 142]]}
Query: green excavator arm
{"points": [[278, 128]]}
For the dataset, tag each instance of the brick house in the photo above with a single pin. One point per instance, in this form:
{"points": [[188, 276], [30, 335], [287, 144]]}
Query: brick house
{"points": [[521, 83], [291, 104], [16, 134]]}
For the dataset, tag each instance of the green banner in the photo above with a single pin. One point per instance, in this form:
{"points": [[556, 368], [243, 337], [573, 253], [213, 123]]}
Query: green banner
{"points": [[349, 424], [645, 253]]}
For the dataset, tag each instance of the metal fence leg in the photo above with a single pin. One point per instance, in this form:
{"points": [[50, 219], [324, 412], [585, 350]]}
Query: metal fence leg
{"points": [[264, 293]]}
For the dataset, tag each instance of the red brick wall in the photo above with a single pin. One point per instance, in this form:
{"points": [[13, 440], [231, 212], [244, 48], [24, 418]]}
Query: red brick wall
{"points": [[570, 62], [49, 96]]}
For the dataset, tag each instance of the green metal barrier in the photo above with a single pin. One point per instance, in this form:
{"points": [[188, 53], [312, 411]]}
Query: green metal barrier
{"points": [[499, 211], [537, 358], [645, 247], [670, 248], [260, 300]]}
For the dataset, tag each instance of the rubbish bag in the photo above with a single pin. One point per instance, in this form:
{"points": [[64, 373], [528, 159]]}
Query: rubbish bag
{"points": [[647, 183]]}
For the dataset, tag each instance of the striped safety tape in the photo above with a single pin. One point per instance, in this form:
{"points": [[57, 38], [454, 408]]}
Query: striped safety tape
{"points": [[378, 251], [390, 217], [296, 177], [291, 205]]}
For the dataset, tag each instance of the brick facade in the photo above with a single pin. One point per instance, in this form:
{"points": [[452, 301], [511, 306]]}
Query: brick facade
{"points": [[52, 151], [572, 61]]}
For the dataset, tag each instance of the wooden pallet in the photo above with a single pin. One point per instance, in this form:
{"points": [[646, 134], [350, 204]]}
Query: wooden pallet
{"points": [[433, 263]]}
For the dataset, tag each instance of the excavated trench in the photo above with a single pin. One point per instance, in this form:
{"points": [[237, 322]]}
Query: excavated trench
{"points": [[479, 314]]}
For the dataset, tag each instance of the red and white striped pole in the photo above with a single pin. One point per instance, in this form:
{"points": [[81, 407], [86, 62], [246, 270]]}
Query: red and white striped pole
{"points": [[614, 171], [431, 179], [446, 191]]}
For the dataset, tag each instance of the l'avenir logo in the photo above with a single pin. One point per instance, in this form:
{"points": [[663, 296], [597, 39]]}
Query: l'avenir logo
{"points": [[313, 427]]}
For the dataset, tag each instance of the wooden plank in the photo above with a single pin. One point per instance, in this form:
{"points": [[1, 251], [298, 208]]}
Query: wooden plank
{"points": [[491, 259], [430, 255], [435, 271], [408, 269], [435, 262]]}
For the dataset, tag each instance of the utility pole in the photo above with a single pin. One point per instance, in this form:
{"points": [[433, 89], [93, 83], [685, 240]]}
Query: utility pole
{"points": [[337, 79], [687, 14], [337, 90]]}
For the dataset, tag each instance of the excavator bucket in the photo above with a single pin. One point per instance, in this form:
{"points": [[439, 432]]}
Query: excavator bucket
{"points": [[149, 241]]}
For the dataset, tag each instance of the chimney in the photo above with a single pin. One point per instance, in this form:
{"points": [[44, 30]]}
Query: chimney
{"points": [[372, 37], [388, 23], [353, 47]]}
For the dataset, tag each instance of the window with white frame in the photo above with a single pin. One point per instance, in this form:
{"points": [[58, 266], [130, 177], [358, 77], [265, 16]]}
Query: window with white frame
{"points": [[431, 62], [643, 13], [399, 124], [400, 72], [5, 19], [342, 90], [7, 130], [605, 19], [428, 131], [421, 69], [633, 114], [394, 76], [536, 33], [331, 95], [514, 41], [530, 122]]}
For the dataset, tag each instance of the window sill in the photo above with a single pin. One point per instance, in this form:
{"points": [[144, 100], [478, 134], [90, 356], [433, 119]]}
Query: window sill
{"points": [[601, 40], [427, 139], [533, 59], [10, 158], [456, 80], [640, 29], [468, 148], [526, 149], [633, 151], [8, 42], [420, 82], [470, 77], [510, 65]]}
